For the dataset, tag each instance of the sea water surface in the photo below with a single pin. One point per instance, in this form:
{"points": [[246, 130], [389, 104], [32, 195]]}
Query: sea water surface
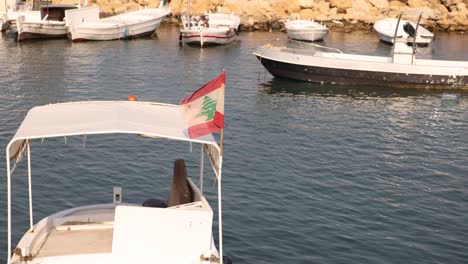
{"points": [[312, 173]]}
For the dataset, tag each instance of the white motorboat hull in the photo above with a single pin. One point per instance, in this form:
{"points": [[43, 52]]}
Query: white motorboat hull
{"points": [[386, 31], [307, 34], [336, 68], [205, 37], [130, 25], [305, 30], [112, 31]]}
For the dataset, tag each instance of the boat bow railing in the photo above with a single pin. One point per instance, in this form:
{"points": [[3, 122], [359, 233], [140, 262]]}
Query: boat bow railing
{"points": [[302, 45]]}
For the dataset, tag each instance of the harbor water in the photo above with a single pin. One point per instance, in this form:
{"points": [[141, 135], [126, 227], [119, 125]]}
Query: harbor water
{"points": [[311, 174]]}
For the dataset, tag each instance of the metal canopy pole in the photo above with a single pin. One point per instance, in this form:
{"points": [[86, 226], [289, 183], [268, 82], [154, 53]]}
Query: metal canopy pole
{"points": [[220, 215], [202, 159], [30, 187], [415, 37], [8, 205], [395, 36]]}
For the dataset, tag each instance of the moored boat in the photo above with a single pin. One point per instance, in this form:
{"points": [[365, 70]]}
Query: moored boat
{"points": [[178, 231], [305, 30], [50, 24], [209, 29], [385, 29], [400, 69], [85, 24]]}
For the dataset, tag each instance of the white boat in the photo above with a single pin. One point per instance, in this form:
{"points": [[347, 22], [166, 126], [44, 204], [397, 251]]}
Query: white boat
{"points": [[213, 28], [385, 29], [179, 232], [402, 68], [50, 24], [85, 24], [306, 30]]}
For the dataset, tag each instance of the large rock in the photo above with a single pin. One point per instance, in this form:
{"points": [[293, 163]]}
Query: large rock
{"points": [[441, 8], [322, 7], [462, 8], [342, 5], [418, 3], [308, 14], [397, 6], [363, 11], [380, 4], [304, 4], [285, 7]]}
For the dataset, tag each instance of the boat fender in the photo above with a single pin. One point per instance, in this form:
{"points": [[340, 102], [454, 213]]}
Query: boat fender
{"points": [[227, 260], [154, 202]]}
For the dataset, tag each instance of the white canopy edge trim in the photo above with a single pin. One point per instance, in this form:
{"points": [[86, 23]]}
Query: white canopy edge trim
{"points": [[211, 147]]}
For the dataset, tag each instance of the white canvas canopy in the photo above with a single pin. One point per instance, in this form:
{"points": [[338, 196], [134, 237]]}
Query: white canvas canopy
{"points": [[105, 117]]}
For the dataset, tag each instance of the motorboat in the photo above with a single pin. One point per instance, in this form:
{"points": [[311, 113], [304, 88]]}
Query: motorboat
{"points": [[331, 66], [209, 29], [305, 30], [178, 230], [86, 24], [50, 24], [386, 28]]}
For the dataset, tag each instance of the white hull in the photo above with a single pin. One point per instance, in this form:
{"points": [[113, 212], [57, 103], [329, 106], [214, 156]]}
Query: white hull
{"points": [[129, 25], [208, 36], [305, 30], [386, 31], [46, 29], [308, 34]]}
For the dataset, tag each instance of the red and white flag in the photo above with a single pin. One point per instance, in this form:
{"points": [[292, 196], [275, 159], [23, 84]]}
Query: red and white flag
{"points": [[204, 109]]}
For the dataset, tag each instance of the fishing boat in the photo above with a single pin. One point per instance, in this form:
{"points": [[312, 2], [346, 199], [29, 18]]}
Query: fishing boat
{"points": [[178, 230], [401, 68], [305, 30], [50, 24], [85, 23], [385, 29], [209, 29]]}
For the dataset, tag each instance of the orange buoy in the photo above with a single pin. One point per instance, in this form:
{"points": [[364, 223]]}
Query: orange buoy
{"points": [[132, 98]]}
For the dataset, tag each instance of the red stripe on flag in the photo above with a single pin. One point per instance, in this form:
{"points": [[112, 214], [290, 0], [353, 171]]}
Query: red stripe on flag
{"points": [[207, 88], [218, 120], [202, 129], [208, 127]]}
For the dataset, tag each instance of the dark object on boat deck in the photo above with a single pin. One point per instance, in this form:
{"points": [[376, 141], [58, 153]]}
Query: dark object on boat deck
{"points": [[181, 192], [227, 260], [154, 202], [409, 29]]}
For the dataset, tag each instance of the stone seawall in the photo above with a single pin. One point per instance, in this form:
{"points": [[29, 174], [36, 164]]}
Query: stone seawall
{"points": [[346, 14]]}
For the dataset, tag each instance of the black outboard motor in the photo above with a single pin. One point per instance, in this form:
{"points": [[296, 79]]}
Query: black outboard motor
{"points": [[154, 202], [409, 29]]}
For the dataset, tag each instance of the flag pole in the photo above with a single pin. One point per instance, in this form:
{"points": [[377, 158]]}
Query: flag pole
{"points": [[221, 141], [221, 132]]}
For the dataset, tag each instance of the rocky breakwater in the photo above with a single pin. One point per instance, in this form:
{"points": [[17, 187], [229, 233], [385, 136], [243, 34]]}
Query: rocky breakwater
{"points": [[345, 14]]}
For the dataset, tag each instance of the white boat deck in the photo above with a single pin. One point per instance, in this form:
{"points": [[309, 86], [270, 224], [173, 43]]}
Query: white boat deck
{"points": [[71, 242]]}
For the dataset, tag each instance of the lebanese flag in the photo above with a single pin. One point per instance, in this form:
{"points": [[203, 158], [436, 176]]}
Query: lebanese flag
{"points": [[204, 109]]}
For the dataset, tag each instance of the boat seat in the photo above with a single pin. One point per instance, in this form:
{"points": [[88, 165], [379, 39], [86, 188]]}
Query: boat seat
{"points": [[181, 192]]}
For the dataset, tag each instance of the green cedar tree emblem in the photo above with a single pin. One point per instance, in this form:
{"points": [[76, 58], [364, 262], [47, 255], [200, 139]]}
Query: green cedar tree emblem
{"points": [[208, 108]]}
